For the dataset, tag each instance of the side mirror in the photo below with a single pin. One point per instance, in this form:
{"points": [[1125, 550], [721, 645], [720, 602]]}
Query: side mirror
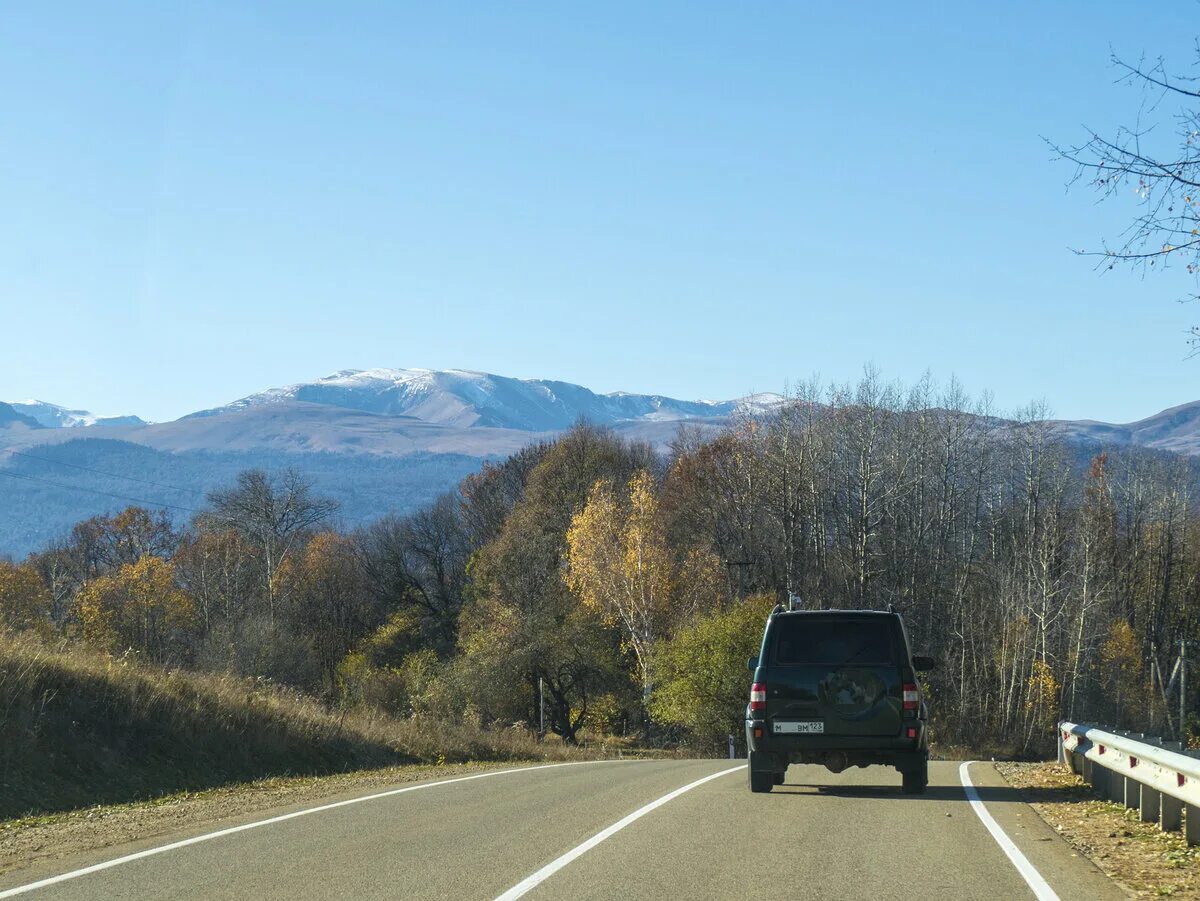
{"points": [[752, 664], [923, 662]]}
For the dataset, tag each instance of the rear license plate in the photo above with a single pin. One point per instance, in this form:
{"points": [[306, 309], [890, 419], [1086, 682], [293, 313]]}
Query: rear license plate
{"points": [[804, 728]]}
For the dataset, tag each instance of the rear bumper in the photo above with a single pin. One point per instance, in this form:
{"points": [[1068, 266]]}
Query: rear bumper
{"points": [[793, 747]]}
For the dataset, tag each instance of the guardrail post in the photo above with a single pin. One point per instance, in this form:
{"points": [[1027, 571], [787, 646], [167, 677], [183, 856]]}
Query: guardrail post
{"points": [[1192, 825], [1133, 794], [1116, 787], [1149, 805], [1107, 783], [1109, 787], [1171, 810]]}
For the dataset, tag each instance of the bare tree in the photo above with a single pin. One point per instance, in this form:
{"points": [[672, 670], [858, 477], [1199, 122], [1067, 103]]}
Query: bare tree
{"points": [[1164, 172], [272, 513], [420, 561]]}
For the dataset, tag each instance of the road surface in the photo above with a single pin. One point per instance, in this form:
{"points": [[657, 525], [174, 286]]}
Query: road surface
{"points": [[631, 830]]}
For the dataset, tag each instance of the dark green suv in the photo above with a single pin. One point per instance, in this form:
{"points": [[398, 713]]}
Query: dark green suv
{"points": [[839, 688]]}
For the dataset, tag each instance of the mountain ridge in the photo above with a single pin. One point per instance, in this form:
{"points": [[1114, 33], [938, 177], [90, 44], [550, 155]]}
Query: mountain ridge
{"points": [[409, 403], [54, 416], [471, 398]]}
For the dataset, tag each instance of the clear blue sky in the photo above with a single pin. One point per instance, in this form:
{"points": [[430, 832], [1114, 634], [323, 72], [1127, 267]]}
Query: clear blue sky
{"points": [[697, 199]]}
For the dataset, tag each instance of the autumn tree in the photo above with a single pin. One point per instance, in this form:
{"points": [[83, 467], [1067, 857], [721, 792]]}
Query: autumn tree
{"points": [[329, 605], [216, 569], [523, 628], [1120, 663], [59, 568], [140, 608], [102, 544], [25, 603], [491, 494], [619, 565]]}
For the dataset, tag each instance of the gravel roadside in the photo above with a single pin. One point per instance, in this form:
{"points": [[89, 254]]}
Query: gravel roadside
{"points": [[1146, 861]]}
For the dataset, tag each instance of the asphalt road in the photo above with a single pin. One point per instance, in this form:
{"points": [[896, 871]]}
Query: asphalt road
{"points": [[820, 835]]}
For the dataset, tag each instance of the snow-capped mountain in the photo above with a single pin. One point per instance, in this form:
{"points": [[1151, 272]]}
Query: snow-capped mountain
{"points": [[378, 440], [52, 416], [480, 399], [11, 417]]}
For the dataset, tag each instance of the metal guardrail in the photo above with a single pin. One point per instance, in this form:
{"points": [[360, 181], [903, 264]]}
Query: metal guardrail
{"points": [[1160, 779]]}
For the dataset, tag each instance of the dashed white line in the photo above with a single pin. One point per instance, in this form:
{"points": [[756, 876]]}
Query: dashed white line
{"points": [[209, 836], [530, 882], [1041, 888]]}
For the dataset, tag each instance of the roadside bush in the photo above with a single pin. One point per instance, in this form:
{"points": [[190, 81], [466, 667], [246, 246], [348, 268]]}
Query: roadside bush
{"points": [[703, 684]]}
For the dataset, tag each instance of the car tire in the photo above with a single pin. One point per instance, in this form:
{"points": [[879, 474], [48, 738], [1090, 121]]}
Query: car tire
{"points": [[914, 782], [779, 776], [762, 776]]}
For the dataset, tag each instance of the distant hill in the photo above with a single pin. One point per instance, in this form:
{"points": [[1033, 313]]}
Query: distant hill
{"points": [[378, 440], [44, 494], [1176, 430]]}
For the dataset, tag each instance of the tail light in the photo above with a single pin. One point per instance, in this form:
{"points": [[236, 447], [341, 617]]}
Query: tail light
{"points": [[758, 696], [912, 697]]}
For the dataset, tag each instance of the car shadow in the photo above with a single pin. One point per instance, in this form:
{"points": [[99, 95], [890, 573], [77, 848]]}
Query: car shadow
{"points": [[987, 793]]}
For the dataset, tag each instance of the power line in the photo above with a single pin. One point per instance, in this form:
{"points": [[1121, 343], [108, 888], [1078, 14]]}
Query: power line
{"points": [[103, 473], [120, 497]]}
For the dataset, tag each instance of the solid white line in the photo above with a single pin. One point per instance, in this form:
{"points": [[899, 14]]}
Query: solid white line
{"points": [[162, 849], [554, 866], [1041, 888]]}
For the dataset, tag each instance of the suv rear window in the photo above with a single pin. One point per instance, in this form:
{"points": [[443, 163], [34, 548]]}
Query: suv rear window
{"points": [[835, 642]]}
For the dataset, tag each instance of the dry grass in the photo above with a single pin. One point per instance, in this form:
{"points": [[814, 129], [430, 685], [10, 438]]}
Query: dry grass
{"points": [[1147, 861], [79, 729]]}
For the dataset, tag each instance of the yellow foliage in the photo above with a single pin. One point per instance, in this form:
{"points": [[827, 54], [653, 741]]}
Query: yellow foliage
{"points": [[325, 569], [594, 551], [1042, 693], [619, 563], [24, 600], [138, 607], [1120, 654]]}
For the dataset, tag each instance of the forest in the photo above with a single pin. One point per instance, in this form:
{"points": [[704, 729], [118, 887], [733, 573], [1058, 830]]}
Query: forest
{"points": [[589, 586]]}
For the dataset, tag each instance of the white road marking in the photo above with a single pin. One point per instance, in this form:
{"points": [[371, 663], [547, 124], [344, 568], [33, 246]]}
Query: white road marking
{"points": [[162, 849], [1041, 888], [557, 864]]}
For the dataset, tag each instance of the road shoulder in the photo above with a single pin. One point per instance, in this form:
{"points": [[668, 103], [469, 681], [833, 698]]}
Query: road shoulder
{"points": [[1070, 873], [1145, 860], [37, 846]]}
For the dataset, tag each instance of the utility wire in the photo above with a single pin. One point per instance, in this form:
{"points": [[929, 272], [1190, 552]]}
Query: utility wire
{"points": [[120, 497], [101, 472]]}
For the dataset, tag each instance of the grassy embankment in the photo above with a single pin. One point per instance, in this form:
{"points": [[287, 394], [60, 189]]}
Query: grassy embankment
{"points": [[79, 729]]}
